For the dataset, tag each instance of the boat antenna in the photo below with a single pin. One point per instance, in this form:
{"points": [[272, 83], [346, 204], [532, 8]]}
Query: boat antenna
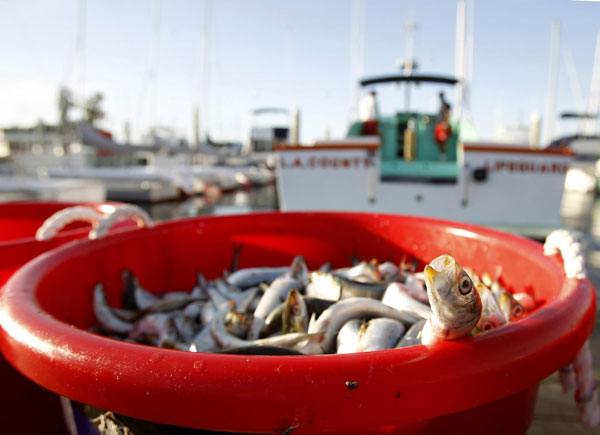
{"points": [[408, 64]]}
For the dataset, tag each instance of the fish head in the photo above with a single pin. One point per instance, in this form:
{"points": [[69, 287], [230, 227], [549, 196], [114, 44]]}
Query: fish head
{"points": [[234, 318], [491, 314], [510, 307], [374, 264], [238, 324], [486, 278], [455, 302], [295, 314], [298, 269], [473, 275]]}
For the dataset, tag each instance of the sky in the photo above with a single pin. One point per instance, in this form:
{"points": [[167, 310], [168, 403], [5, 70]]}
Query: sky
{"points": [[154, 61]]}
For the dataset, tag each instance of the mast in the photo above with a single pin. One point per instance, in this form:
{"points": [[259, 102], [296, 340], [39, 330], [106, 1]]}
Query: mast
{"points": [[205, 68], [463, 61], [156, 4], [80, 53], [356, 54], [552, 89], [575, 85], [594, 102], [468, 73]]}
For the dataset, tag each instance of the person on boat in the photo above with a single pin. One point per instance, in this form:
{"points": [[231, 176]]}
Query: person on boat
{"points": [[369, 114], [443, 130]]}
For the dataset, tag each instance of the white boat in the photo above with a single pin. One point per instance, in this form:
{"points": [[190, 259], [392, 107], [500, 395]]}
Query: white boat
{"points": [[26, 188], [584, 173], [131, 184], [271, 126], [401, 168]]}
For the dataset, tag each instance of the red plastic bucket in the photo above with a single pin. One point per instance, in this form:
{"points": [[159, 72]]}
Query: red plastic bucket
{"points": [[480, 384], [19, 222], [29, 408]]}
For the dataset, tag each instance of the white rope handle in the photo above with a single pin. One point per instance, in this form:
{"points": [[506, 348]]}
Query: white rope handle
{"points": [[52, 225], [563, 242], [123, 211], [586, 396]]}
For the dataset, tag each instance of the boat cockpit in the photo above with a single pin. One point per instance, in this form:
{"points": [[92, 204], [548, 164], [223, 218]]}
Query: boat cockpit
{"points": [[415, 146]]}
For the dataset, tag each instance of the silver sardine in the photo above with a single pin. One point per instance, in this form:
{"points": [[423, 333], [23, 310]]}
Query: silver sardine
{"points": [[332, 319], [380, 334]]}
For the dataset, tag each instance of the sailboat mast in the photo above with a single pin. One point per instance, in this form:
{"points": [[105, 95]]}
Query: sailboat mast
{"points": [[459, 60], [356, 54], [551, 98], [156, 4], [575, 85], [205, 69], [594, 102], [80, 53], [468, 72]]}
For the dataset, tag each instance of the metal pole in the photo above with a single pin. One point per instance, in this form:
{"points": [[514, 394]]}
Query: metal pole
{"points": [[196, 123], [295, 126], [534, 131]]}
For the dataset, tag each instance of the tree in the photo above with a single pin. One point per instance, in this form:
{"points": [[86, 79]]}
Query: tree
{"points": [[93, 111]]}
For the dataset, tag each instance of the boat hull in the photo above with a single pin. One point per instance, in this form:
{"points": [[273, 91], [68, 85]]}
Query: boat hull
{"points": [[494, 185]]}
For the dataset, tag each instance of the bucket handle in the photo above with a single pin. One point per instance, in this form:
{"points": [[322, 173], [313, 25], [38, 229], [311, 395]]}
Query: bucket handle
{"points": [[586, 394], [563, 242], [123, 211], [52, 225]]}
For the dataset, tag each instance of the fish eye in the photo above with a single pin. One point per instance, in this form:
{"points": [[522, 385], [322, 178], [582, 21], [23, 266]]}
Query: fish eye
{"points": [[465, 285], [517, 311], [487, 326]]}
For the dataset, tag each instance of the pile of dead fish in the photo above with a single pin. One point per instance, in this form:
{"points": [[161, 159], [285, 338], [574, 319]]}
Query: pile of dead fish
{"points": [[291, 310]]}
